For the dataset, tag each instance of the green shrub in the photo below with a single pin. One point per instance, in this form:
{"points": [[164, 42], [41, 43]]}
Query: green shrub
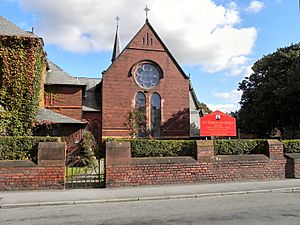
{"points": [[240, 147], [291, 146], [85, 156], [160, 148], [21, 148]]}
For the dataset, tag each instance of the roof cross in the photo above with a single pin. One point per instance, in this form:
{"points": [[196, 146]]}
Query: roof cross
{"points": [[146, 10], [117, 19]]}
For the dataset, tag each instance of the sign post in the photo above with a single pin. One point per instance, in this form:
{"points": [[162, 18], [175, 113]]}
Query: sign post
{"points": [[217, 124]]}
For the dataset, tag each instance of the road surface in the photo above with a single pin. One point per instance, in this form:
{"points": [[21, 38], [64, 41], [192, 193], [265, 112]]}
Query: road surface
{"points": [[247, 209]]}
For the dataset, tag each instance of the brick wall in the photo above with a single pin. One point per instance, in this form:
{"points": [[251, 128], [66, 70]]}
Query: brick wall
{"points": [[25, 175], [122, 170], [119, 90], [297, 168], [63, 99], [31, 178], [293, 165], [94, 124]]}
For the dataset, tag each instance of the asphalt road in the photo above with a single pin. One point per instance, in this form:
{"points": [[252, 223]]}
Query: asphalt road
{"points": [[248, 209]]}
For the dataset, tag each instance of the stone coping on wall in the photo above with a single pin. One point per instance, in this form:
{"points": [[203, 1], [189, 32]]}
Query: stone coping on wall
{"points": [[163, 160], [240, 158], [292, 155], [16, 163]]}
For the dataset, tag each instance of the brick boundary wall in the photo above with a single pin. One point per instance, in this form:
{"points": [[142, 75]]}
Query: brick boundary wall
{"points": [[122, 170], [293, 165], [49, 173]]}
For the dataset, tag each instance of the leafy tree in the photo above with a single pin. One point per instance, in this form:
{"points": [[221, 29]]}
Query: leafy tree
{"points": [[136, 122], [271, 95], [204, 107], [85, 155]]}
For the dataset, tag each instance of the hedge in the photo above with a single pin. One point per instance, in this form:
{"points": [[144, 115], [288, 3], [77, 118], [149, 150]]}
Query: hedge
{"points": [[240, 147], [164, 148], [160, 148], [291, 146], [22, 147]]}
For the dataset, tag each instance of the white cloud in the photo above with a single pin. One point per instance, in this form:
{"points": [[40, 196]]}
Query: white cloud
{"points": [[255, 6], [199, 33], [230, 100], [223, 107], [232, 96]]}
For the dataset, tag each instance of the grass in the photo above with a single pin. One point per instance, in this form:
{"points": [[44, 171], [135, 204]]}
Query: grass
{"points": [[71, 171]]}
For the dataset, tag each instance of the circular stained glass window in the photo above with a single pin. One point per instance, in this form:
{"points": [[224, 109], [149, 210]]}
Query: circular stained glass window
{"points": [[146, 75]]}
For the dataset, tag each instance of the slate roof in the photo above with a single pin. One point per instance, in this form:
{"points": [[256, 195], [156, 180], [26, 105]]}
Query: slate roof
{"points": [[46, 115], [56, 75], [7, 28], [195, 99], [193, 94], [91, 101]]}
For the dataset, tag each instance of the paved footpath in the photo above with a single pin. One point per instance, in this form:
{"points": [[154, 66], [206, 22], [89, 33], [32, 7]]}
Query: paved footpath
{"points": [[14, 199]]}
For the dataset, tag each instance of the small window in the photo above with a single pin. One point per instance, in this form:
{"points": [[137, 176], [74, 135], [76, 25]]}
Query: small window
{"points": [[147, 39], [155, 115]]}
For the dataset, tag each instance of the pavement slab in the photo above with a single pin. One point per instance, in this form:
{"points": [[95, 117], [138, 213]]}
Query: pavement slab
{"points": [[11, 199]]}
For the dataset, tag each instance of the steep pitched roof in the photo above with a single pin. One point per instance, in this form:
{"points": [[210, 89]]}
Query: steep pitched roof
{"points": [[48, 116], [56, 75], [116, 49], [193, 94], [161, 47], [9, 29]]}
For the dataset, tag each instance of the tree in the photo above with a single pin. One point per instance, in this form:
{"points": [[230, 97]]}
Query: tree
{"points": [[136, 122], [202, 106], [271, 95], [85, 155]]}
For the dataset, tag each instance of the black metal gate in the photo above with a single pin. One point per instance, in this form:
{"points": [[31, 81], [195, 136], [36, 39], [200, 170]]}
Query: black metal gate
{"points": [[91, 176]]}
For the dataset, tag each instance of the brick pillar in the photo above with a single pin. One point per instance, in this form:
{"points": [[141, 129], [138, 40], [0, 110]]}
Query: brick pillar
{"points": [[205, 150], [293, 165], [297, 166], [52, 154], [52, 157], [275, 148], [117, 164]]}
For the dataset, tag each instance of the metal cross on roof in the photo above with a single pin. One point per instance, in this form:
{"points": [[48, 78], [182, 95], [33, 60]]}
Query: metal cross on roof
{"points": [[146, 10], [117, 19]]}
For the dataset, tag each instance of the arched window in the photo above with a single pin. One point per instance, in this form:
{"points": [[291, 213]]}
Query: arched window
{"points": [[155, 115], [140, 100], [140, 114]]}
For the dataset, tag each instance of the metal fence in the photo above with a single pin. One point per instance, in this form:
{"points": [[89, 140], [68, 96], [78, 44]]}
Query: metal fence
{"points": [[85, 176]]}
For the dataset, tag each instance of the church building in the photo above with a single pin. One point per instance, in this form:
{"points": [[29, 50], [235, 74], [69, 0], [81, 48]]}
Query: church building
{"points": [[143, 93], [145, 74]]}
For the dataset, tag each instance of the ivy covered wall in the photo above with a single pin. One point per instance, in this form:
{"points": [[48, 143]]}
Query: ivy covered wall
{"points": [[22, 67]]}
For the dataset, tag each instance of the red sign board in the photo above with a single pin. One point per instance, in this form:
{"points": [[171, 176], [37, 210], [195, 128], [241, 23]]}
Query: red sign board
{"points": [[217, 124]]}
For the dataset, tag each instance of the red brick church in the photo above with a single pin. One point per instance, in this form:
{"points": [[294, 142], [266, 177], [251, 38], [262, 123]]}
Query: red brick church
{"points": [[143, 75]]}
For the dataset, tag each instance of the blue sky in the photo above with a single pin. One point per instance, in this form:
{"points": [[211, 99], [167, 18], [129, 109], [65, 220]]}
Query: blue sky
{"points": [[215, 41]]}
